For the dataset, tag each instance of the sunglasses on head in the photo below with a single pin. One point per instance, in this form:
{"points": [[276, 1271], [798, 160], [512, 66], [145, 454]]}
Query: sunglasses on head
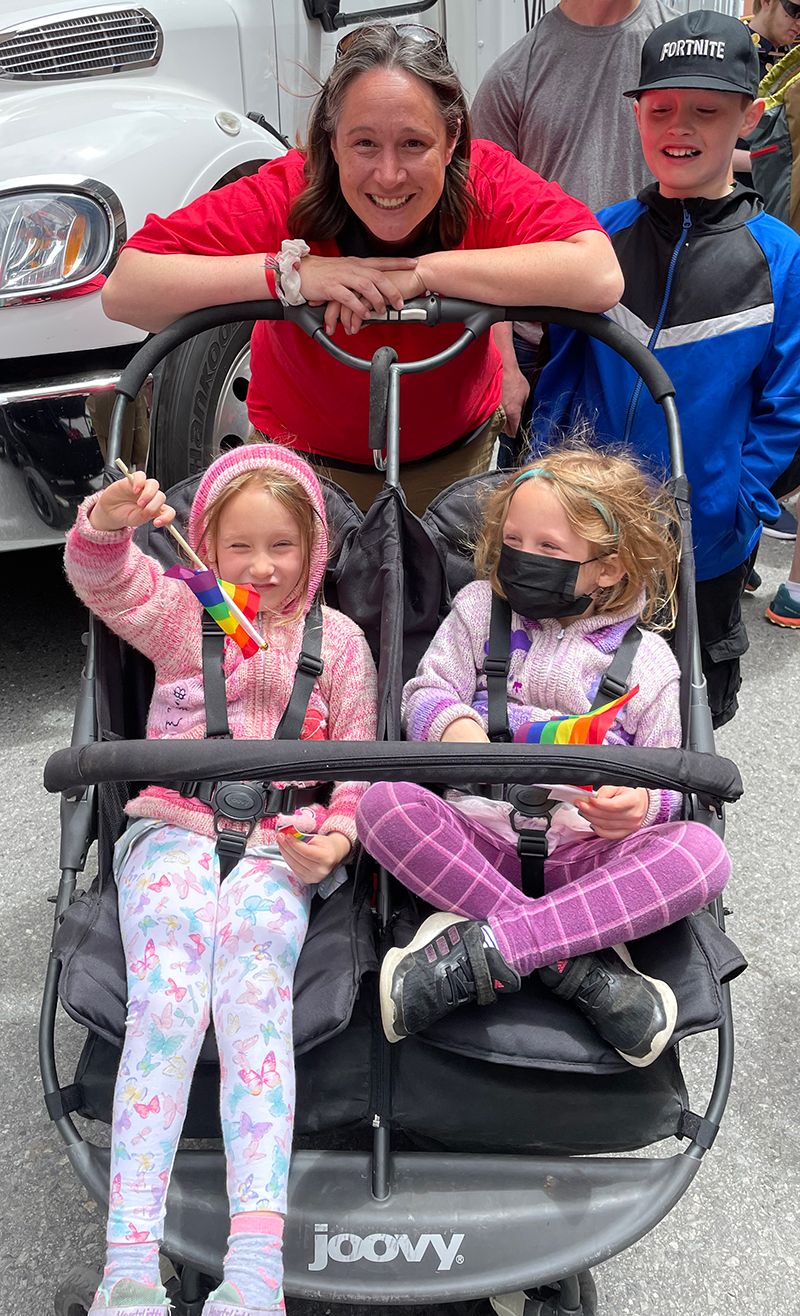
{"points": [[792, 10], [424, 36]]}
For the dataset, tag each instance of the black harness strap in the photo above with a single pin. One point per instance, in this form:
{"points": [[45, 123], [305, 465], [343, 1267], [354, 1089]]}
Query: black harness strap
{"points": [[532, 844], [615, 680], [495, 669], [217, 727], [245, 803], [309, 670]]}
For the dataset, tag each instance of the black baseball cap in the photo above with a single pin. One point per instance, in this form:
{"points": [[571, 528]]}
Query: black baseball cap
{"points": [[700, 49]]}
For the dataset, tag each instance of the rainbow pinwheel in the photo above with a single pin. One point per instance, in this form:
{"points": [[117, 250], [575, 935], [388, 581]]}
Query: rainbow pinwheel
{"points": [[216, 597], [586, 729]]}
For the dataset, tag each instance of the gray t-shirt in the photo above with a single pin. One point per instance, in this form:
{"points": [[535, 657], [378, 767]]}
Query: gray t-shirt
{"points": [[554, 99]]}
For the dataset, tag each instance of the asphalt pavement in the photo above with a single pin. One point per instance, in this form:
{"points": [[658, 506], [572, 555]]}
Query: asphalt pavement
{"points": [[731, 1245]]}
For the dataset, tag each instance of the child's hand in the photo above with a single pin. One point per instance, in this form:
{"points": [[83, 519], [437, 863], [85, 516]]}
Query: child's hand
{"points": [[314, 858], [615, 811], [465, 731], [129, 503]]}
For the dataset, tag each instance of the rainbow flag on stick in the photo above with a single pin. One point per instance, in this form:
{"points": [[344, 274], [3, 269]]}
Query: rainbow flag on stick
{"points": [[216, 597], [586, 729]]}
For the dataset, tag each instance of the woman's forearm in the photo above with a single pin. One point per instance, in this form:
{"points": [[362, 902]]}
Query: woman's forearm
{"points": [[581, 272], [151, 291]]}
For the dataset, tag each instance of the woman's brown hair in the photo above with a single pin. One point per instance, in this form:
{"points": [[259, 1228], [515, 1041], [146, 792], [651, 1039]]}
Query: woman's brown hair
{"points": [[320, 212], [611, 502]]}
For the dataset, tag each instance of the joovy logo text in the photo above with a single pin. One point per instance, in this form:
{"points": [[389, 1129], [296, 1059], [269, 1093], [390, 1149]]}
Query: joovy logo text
{"points": [[382, 1247]]}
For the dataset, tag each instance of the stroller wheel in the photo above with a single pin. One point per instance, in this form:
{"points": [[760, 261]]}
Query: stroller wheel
{"points": [[74, 1297], [552, 1300]]}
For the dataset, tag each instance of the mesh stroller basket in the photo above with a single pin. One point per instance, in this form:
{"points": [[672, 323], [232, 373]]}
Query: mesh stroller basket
{"points": [[468, 1160]]}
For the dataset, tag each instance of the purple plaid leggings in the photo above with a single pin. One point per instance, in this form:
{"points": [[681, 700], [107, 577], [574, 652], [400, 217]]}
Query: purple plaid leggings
{"points": [[597, 893]]}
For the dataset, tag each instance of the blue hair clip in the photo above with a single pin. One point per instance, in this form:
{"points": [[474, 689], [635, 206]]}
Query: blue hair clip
{"points": [[541, 472]]}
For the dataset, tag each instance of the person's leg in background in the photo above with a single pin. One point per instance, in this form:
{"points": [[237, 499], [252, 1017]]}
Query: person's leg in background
{"points": [[723, 639]]}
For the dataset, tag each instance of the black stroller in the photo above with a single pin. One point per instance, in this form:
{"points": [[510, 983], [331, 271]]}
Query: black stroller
{"points": [[475, 1159]]}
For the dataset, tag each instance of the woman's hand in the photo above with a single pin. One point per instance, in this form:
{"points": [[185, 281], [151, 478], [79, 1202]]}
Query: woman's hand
{"points": [[465, 731], [314, 859], [355, 288], [131, 502], [615, 811]]}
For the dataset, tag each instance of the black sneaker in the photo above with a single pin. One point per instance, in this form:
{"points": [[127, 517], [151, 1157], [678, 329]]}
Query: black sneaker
{"points": [[633, 1013], [451, 961]]}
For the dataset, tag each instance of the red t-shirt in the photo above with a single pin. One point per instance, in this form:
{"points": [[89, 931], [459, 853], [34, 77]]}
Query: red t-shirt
{"points": [[298, 390]]}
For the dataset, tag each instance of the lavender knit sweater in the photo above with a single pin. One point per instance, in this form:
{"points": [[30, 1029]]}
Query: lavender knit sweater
{"points": [[555, 670], [161, 618]]}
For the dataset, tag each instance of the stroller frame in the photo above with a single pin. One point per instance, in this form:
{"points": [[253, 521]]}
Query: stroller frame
{"points": [[381, 1227]]}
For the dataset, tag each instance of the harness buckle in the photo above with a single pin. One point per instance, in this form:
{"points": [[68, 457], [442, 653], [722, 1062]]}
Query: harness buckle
{"points": [[496, 666]]}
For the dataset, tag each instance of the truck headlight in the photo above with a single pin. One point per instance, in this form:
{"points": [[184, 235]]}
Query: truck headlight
{"points": [[54, 239]]}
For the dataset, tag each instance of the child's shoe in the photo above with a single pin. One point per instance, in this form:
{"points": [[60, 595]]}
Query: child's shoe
{"points": [[633, 1013], [227, 1301], [783, 610], [451, 961], [128, 1298]]}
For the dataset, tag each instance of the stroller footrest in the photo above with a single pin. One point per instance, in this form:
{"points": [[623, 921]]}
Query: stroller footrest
{"points": [[454, 1227]]}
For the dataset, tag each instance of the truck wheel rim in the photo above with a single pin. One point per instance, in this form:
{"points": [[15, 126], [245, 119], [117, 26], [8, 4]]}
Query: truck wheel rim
{"points": [[231, 423]]}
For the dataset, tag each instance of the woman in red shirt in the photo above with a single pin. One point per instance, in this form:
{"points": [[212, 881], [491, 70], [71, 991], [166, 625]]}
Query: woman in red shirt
{"points": [[392, 199]]}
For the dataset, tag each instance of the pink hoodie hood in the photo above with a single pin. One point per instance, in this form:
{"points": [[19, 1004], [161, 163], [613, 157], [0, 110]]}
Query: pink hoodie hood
{"points": [[253, 457]]}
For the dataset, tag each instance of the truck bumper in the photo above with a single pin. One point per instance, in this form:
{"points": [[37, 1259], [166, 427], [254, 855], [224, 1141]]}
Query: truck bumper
{"points": [[52, 440]]}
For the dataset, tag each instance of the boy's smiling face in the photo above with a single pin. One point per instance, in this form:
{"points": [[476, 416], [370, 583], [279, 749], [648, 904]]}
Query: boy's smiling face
{"points": [[688, 135]]}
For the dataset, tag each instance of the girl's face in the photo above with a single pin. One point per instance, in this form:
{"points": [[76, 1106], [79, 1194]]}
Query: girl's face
{"points": [[259, 543], [537, 523], [392, 149]]}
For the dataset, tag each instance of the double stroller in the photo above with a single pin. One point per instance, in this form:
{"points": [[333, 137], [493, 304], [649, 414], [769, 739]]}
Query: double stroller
{"points": [[485, 1156]]}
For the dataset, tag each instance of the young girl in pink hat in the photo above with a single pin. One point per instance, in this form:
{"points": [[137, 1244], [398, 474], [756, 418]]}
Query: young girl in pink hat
{"points": [[197, 949]]}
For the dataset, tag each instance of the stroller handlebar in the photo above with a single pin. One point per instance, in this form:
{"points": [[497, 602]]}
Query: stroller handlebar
{"points": [[476, 317], [168, 761]]}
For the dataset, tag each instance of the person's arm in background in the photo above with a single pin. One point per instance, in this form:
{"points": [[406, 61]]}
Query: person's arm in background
{"points": [[495, 110], [772, 439], [515, 386]]}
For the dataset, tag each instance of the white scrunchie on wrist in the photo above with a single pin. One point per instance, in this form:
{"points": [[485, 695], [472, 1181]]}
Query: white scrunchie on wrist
{"points": [[287, 264]]}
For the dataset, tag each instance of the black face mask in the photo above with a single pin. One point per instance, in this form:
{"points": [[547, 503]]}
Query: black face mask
{"points": [[537, 586]]}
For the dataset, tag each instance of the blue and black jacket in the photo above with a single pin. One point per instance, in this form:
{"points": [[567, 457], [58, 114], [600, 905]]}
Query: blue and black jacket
{"points": [[713, 288]]}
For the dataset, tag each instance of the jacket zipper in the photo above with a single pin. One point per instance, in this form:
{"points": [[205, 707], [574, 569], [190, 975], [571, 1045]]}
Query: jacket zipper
{"points": [[637, 392]]}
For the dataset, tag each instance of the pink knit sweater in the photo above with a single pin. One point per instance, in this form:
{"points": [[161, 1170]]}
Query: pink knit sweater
{"points": [[555, 670], [161, 618]]}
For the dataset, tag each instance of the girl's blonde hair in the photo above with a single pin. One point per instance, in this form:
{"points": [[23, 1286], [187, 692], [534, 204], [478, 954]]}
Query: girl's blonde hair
{"points": [[610, 501], [291, 496]]}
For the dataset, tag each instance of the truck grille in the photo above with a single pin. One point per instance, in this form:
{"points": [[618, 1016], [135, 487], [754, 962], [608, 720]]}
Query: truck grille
{"points": [[84, 43]]}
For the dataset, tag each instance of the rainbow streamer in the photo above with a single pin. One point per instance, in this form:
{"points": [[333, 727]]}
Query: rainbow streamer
{"points": [[586, 729], [211, 592]]}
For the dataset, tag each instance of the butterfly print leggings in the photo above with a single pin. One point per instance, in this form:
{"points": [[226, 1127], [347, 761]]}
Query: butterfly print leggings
{"points": [[196, 950]]}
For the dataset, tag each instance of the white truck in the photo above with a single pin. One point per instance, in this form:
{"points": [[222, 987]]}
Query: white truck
{"points": [[110, 111]]}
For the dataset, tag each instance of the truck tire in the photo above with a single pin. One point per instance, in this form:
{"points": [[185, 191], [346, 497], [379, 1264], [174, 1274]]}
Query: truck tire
{"points": [[199, 402]]}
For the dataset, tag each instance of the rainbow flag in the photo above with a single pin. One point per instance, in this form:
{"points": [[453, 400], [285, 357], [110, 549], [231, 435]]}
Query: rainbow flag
{"points": [[586, 729], [212, 594]]}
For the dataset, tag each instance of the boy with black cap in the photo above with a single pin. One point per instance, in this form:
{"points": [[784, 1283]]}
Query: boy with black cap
{"points": [[713, 288]]}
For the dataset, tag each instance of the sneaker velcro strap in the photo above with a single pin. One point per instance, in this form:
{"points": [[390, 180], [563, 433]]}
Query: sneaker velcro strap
{"points": [[473, 942]]}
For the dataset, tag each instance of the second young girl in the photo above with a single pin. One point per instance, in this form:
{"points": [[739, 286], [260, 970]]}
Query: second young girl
{"points": [[197, 948], [580, 545]]}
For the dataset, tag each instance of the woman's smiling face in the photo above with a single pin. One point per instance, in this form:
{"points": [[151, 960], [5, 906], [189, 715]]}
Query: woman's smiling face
{"points": [[392, 149]]}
